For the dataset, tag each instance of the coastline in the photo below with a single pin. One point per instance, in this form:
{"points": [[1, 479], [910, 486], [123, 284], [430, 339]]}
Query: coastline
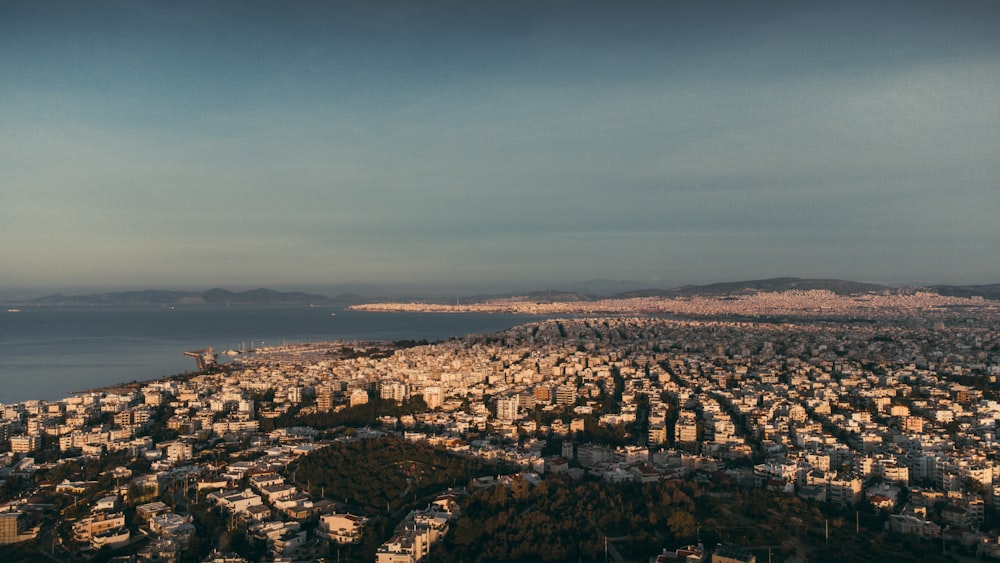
{"points": [[134, 385], [53, 352]]}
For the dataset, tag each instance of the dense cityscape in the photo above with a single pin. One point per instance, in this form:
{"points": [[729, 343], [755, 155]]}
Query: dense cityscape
{"points": [[794, 426], [499, 281]]}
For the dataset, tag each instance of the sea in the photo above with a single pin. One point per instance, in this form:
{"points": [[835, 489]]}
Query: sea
{"points": [[47, 353]]}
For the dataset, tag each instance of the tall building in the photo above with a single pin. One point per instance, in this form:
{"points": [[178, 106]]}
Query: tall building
{"points": [[657, 435], [566, 394], [569, 450], [359, 397], [25, 444], [395, 391], [686, 428], [526, 400], [433, 396], [507, 408], [543, 394], [324, 398]]}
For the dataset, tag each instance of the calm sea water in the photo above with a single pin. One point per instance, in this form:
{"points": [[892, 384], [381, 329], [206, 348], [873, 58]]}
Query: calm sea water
{"points": [[46, 353]]}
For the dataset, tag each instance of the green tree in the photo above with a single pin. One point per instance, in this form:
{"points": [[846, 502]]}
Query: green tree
{"points": [[682, 524]]}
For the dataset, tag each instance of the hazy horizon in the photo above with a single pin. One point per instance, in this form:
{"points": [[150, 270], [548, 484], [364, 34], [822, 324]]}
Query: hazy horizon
{"points": [[496, 146], [418, 291]]}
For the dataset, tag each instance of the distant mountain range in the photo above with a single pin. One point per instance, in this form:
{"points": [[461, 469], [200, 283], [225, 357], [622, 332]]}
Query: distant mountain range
{"points": [[271, 297], [211, 297]]}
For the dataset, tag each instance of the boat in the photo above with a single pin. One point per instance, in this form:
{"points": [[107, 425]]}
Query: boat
{"points": [[13, 310]]}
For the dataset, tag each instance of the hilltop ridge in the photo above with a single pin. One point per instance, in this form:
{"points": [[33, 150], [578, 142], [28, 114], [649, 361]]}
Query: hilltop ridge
{"points": [[771, 285]]}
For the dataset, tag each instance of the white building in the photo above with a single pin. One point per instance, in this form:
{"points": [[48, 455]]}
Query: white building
{"points": [[507, 408], [341, 528], [359, 397]]}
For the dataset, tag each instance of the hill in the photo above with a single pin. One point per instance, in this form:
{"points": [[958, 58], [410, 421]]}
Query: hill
{"points": [[557, 296], [773, 285], [989, 291]]}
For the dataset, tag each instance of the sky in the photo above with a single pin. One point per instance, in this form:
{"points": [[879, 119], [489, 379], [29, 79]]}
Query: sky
{"points": [[496, 144]]}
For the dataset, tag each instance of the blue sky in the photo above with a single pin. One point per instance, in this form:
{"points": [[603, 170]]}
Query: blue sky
{"points": [[492, 144]]}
